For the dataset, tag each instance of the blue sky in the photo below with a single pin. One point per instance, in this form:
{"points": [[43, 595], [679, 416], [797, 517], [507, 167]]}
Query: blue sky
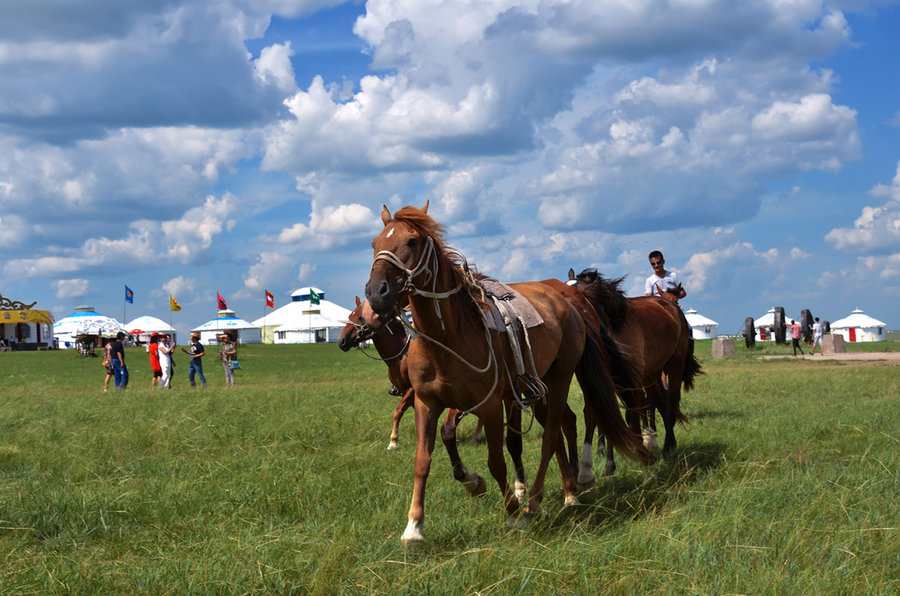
{"points": [[195, 148]]}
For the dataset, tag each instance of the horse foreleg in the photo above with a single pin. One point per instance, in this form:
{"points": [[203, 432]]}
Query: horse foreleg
{"points": [[551, 417], [478, 435], [426, 429], [648, 416], [470, 480], [514, 447], [492, 416], [586, 479], [405, 402], [672, 399]]}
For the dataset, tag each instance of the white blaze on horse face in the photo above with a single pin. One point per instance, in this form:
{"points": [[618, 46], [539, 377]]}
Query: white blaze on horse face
{"points": [[390, 232]]}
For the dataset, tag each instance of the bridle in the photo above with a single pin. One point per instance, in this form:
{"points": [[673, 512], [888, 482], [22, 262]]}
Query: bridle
{"points": [[365, 332], [428, 265]]}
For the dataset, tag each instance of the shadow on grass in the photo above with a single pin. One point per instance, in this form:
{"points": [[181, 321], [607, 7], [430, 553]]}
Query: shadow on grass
{"points": [[625, 497]]}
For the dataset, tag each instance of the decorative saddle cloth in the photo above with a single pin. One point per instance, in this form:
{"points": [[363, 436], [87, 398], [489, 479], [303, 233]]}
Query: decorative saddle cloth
{"points": [[516, 306]]}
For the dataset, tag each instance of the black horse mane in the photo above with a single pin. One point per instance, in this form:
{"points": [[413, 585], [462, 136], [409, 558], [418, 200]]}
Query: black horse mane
{"points": [[605, 294]]}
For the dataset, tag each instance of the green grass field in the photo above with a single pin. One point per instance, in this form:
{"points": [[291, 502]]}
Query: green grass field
{"points": [[786, 482]]}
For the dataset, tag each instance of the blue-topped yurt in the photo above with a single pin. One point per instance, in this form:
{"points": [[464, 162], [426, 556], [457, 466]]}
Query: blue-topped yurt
{"points": [[225, 320]]}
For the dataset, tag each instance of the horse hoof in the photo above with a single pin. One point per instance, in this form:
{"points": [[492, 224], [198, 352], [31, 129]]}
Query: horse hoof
{"points": [[393, 446], [586, 487], [476, 486], [519, 522], [521, 492], [412, 536], [571, 501]]}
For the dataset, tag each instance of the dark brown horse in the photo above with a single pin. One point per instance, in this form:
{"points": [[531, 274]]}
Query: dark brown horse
{"points": [[391, 341], [459, 362], [655, 336]]}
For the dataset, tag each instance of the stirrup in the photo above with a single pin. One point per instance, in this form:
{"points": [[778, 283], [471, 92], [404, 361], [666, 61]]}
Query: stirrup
{"points": [[530, 388]]}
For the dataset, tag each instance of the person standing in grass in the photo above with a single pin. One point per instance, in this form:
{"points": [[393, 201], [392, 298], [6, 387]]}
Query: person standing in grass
{"points": [[795, 337], [196, 364], [120, 371], [153, 350], [165, 361], [107, 361], [818, 333], [229, 353]]}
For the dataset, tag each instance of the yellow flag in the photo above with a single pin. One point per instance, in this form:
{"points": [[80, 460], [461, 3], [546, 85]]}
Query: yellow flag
{"points": [[173, 305]]}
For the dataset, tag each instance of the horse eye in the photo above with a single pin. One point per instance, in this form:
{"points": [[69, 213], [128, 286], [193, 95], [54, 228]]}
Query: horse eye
{"points": [[413, 243]]}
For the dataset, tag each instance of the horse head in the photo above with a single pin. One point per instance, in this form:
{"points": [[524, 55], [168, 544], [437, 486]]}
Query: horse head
{"points": [[406, 258], [351, 334]]}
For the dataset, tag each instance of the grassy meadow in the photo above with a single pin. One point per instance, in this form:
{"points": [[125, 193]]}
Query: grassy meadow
{"points": [[785, 482]]}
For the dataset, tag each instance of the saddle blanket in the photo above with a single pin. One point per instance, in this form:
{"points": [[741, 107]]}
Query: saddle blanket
{"points": [[520, 309]]}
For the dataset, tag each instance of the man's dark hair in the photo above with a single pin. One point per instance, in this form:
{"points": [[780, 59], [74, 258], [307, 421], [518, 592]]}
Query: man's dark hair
{"points": [[120, 335], [656, 255]]}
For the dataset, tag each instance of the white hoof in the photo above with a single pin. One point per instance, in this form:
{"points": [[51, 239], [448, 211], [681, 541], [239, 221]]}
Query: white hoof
{"points": [[585, 475], [393, 446], [412, 535], [650, 441], [521, 493], [571, 501]]}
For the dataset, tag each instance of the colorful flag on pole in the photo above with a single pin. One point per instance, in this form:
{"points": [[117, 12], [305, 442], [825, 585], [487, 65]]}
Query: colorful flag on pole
{"points": [[222, 305], [313, 296], [173, 304], [270, 299], [129, 295]]}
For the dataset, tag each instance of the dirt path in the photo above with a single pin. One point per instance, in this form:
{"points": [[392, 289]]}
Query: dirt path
{"points": [[866, 357]]}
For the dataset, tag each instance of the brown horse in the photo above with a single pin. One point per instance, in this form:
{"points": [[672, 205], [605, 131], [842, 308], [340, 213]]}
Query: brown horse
{"points": [[391, 342], [459, 362], [654, 334]]}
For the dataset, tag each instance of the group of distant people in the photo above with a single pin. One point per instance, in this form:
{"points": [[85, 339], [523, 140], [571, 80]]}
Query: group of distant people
{"points": [[162, 364], [818, 334]]}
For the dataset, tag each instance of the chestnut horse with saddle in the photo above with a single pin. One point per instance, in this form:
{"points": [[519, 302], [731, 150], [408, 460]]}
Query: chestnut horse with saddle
{"points": [[459, 360]]}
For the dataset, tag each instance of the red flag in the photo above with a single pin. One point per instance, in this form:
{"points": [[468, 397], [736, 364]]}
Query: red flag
{"points": [[222, 305], [270, 299]]}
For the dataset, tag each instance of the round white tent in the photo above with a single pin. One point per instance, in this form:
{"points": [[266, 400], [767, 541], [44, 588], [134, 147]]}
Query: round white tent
{"points": [[141, 328], [85, 320], [302, 321], [703, 327], [859, 327], [767, 322], [225, 320]]}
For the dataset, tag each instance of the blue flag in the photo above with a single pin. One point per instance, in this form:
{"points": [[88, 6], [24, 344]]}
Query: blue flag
{"points": [[129, 295]]}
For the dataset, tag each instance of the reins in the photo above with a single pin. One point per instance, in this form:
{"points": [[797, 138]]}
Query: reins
{"points": [[428, 257]]}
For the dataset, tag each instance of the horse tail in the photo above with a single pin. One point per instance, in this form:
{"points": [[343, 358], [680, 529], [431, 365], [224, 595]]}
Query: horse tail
{"points": [[599, 392]]}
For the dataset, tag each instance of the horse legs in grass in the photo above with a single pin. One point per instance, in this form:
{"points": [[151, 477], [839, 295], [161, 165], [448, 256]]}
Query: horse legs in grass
{"points": [[405, 402], [472, 482], [426, 428]]}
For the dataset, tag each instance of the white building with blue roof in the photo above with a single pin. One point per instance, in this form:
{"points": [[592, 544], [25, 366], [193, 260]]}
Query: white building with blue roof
{"points": [[247, 333]]}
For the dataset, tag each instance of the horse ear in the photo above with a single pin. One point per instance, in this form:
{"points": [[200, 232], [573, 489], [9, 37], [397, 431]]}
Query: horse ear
{"points": [[425, 208], [571, 273], [357, 301], [385, 214]]}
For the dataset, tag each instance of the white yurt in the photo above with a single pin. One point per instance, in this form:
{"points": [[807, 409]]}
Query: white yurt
{"points": [[225, 320], [309, 329], [703, 327], [305, 319], [764, 325], [141, 328], [85, 320], [859, 327]]}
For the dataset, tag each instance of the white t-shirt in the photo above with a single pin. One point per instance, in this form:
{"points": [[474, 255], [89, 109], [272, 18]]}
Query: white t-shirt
{"points": [[667, 282], [818, 330]]}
